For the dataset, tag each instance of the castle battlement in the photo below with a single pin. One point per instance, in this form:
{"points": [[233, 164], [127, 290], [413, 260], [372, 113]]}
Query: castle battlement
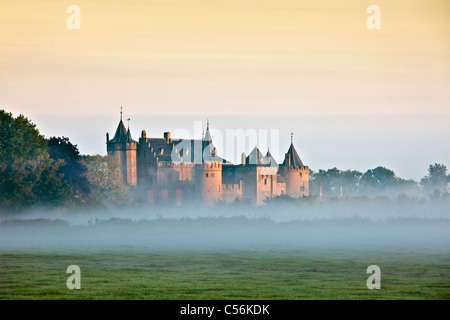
{"points": [[165, 164], [232, 186], [210, 165]]}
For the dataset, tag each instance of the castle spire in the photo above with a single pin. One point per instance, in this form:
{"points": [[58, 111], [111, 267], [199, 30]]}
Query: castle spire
{"points": [[122, 134], [291, 157], [207, 134], [209, 150]]}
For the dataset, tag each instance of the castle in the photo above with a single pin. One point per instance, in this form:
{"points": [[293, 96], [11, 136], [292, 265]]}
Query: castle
{"points": [[165, 170]]}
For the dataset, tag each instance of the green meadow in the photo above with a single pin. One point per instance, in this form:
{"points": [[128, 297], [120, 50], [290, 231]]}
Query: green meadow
{"points": [[269, 273]]}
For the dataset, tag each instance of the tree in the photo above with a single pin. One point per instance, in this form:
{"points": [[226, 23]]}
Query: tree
{"points": [[27, 183], [28, 176], [107, 187], [384, 182], [19, 139], [379, 181], [331, 181], [436, 179], [380, 176], [74, 169]]}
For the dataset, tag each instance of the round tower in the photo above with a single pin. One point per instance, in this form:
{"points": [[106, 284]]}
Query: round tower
{"points": [[295, 173], [124, 149], [208, 181], [297, 181]]}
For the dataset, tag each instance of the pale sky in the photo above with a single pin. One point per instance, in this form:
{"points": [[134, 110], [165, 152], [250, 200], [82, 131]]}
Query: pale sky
{"points": [[228, 59]]}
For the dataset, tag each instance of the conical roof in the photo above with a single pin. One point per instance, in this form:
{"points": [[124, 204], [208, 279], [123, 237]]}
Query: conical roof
{"points": [[207, 137], [293, 157], [208, 149], [129, 138], [122, 134]]}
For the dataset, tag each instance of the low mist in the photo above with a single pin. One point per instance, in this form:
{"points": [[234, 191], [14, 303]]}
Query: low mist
{"points": [[382, 224]]}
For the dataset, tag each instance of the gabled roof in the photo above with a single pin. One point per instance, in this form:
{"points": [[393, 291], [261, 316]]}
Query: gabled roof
{"points": [[270, 159], [186, 150], [293, 157], [256, 157]]}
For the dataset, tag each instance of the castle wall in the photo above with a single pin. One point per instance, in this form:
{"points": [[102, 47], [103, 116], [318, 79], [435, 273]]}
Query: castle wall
{"points": [[265, 184], [208, 182], [248, 175], [280, 189], [297, 181], [131, 169], [169, 173], [125, 156], [231, 191], [143, 158]]}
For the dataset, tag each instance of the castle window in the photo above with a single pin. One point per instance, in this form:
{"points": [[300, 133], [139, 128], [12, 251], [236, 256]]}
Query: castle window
{"points": [[265, 181], [207, 175], [300, 174], [213, 175]]}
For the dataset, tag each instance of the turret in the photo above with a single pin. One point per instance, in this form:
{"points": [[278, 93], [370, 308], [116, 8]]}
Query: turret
{"points": [[124, 149], [208, 181], [295, 173]]}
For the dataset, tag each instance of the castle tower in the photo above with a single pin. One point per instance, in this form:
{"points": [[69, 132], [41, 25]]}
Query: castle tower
{"points": [[208, 174], [208, 181], [124, 149], [295, 173]]}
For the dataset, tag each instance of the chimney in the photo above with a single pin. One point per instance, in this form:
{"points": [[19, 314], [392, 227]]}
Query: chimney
{"points": [[107, 137], [243, 157], [143, 134], [167, 136]]}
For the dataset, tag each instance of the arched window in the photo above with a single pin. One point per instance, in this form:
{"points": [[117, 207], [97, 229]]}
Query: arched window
{"points": [[207, 175]]}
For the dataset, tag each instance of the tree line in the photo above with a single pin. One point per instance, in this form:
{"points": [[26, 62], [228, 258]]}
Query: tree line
{"points": [[379, 181], [36, 172]]}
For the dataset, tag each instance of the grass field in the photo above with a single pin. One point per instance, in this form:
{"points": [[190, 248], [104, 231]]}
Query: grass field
{"points": [[131, 273]]}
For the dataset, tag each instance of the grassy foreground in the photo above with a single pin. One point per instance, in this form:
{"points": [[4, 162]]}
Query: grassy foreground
{"points": [[226, 274]]}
